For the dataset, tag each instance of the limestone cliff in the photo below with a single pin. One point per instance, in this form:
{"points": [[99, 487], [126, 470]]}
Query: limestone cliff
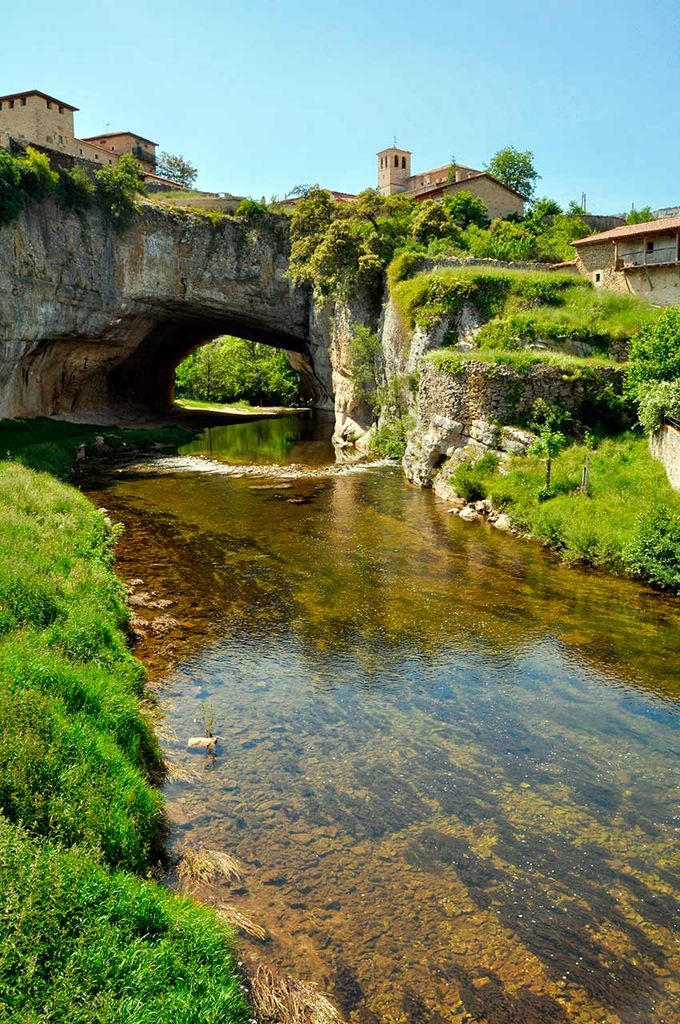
{"points": [[94, 321]]}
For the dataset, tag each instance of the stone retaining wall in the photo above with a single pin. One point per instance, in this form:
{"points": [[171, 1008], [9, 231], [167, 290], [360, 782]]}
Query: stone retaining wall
{"points": [[664, 445]]}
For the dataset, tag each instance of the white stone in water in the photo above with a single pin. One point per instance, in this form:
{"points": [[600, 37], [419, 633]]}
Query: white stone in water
{"points": [[207, 743], [503, 522], [469, 514]]}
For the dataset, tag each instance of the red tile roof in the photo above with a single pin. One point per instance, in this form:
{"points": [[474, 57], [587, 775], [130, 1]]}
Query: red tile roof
{"points": [[650, 227]]}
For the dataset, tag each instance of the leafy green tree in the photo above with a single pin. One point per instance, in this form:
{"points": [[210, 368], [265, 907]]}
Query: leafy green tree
{"points": [[515, 168], [233, 369], [451, 173], [504, 240], [640, 216], [176, 168], [369, 205], [576, 209], [654, 552], [655, 351], [548, 446], [11, 195], [429, 222], [117, 189], [463, 209], [542, 208], [312, 216]]}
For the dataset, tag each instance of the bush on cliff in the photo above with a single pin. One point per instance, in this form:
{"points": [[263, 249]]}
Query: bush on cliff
{"points": [[11, 196], [118, 188], [81, 938]]}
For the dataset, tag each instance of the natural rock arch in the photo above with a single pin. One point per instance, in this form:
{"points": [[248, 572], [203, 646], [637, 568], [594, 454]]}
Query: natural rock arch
{"points": [[93, 322]]}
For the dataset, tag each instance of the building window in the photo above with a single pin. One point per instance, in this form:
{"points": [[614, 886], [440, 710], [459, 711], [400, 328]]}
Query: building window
{"points": [[81, 152], [60, 139], [23, 101], [403, 162], [598, 277], [396, 160], [650, 246], [49, 138], [11, 104], [61, 109]]}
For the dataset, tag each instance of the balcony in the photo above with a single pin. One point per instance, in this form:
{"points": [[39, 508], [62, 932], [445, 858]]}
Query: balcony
{"points": [[660, 255], [144, 154]]}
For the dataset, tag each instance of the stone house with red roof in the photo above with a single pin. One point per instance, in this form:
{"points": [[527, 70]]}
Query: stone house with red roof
{"points": [[640, 259]]}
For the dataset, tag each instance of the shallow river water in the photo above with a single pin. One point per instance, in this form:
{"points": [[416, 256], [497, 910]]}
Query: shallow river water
{"points": [[448, 765]]}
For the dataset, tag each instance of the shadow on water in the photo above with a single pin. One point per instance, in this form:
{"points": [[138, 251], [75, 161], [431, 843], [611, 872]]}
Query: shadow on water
{"points": [[447, 762]]}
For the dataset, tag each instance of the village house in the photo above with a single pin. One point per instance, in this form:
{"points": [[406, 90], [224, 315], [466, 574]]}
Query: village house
{"points": [[641, 259], [394, 177], [34, 118]]}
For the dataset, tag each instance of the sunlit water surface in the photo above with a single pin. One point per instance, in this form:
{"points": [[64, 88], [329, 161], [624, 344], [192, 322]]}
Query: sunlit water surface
{"points": [[448, 765]]}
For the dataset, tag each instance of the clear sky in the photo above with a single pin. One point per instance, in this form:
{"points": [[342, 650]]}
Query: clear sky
{"points": [[262, 96]]}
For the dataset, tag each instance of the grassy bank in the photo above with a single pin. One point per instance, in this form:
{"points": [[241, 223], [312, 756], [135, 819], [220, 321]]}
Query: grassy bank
{"points": [[51, 445], [629, 522], [83, 936]]}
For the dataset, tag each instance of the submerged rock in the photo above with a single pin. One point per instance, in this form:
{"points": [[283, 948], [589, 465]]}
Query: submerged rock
{"points": [[207, 743]]}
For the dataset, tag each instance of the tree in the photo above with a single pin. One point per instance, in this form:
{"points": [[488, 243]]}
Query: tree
{"points": [[640, 216], [117, 188], [576, 209], [542, 208], [464, 209], [369, 205], [655, 350], [515, 169], [451, 173], [548, 446], [233, 369], [176, 168], [429, 222]]}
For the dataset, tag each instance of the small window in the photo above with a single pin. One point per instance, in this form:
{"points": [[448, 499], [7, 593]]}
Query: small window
{"points": [[49, 105], [396, 160], [23, 101], [11, 104], [650, 246], [403, 162], [81, 152], [60, 139], [61, 109], [598, 277], [49, 138], [0, 104]]}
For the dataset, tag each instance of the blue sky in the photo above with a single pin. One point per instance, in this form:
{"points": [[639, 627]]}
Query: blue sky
{"points": [[262, 96]]}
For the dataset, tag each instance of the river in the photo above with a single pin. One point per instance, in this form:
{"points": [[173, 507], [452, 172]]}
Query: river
{"points": [[447, 763]]}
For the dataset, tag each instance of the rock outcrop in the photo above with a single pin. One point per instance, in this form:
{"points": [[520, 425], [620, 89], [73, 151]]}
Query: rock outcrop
{"points": [[93, 321]]}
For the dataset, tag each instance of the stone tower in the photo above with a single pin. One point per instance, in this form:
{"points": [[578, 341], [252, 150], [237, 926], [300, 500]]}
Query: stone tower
{"points": [[394, 170]]}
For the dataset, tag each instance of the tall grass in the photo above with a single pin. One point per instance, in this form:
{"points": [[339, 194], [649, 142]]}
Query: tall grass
{"points": [[81, 938], [610, 526]]}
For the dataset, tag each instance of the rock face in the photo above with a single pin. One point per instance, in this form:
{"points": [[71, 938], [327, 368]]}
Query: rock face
{"points": [[468, 408], [93, 322]]}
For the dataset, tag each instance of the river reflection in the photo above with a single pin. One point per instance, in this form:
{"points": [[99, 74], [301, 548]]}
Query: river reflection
{"points": [[447, 762]]}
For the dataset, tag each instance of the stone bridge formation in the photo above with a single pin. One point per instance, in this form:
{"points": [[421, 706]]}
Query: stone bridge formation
{"points": [[93, 322]]}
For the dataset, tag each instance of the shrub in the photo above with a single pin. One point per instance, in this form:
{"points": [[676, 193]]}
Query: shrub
{"points": [[656, 402], [364, 355], [655, 350], [390, 439], [11, 195], [117, 189], [470, 480], [37, 177], [431, 221], [654, 551], [74, 189], [250, 211]]}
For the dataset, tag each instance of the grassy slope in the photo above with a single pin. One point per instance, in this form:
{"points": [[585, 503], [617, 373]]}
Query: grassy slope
{"points": [[51, 445], [520, 306], [82, 938], [626, 484]]}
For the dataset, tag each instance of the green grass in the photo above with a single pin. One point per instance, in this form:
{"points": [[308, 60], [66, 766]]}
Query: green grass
{"points": [[51, 445], [606, 528], [519, 307], [195, 403], [82, 936], [519, 359], [81, 945]]}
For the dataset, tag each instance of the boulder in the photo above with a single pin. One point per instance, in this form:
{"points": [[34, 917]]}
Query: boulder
{"points": [[469, 515], [502, 522]]}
